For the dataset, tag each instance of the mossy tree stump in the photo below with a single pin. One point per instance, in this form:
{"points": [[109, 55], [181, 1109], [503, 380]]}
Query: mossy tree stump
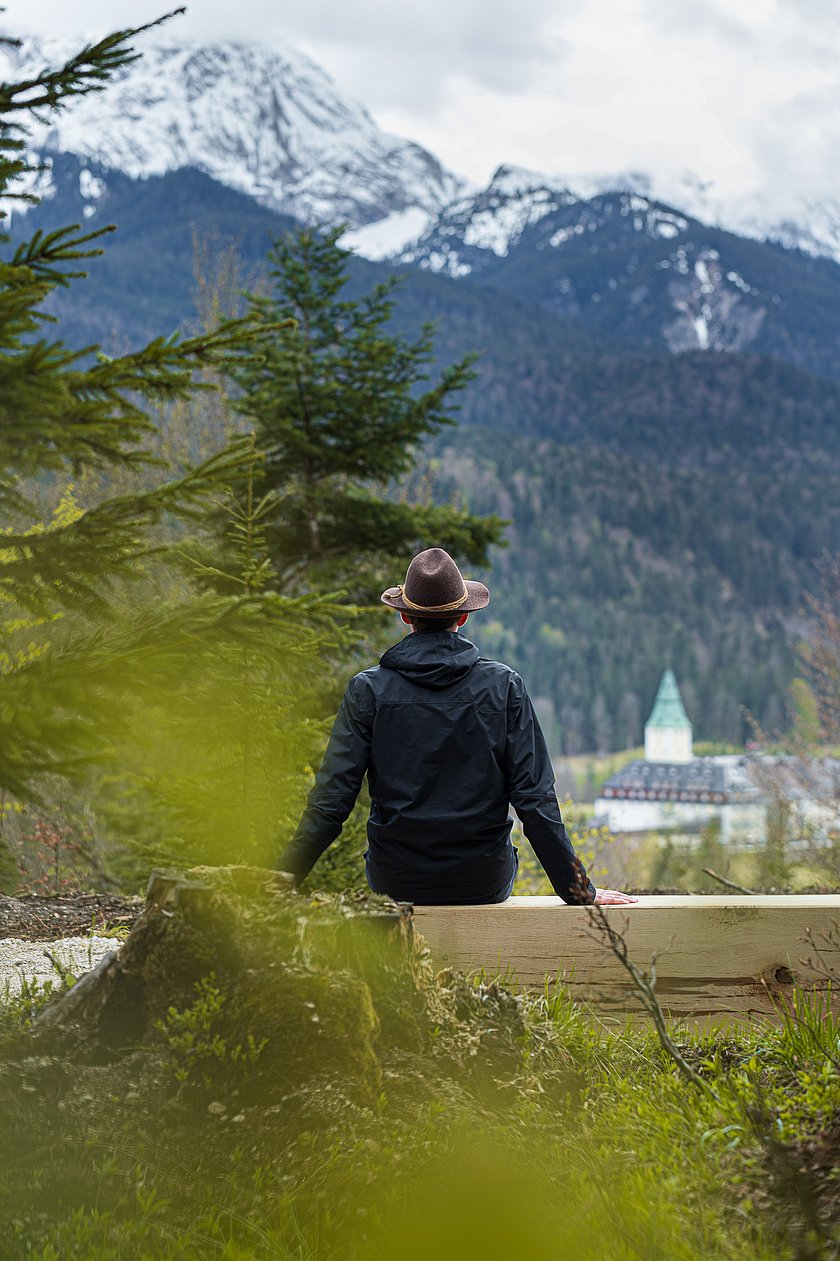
{"points": [[249, 981]]}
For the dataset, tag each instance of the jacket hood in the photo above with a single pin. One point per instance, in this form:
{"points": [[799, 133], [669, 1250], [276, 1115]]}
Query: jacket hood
{"points": [[434, 659]]}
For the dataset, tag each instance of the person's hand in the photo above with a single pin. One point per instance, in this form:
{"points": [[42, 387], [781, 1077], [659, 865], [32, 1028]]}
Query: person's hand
{"points": [[612, 897]]}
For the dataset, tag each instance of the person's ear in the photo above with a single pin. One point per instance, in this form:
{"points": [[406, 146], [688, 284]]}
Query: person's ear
{"points": [[407, 620], [463, 619]]}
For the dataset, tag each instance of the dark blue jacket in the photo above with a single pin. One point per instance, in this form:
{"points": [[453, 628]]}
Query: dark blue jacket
{"points": [[449, 741]]}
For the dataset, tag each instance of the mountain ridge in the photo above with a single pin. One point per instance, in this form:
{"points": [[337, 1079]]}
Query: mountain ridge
{"points": [[639, 270], [272, 123], [816, 231]]}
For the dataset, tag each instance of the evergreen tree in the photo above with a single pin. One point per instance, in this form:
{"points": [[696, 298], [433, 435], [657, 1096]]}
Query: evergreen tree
{"points": [[339, 407], [62, 413], [75, 652]]}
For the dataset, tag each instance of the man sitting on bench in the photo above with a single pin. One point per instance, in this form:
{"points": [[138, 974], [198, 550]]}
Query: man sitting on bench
{"points": [[449, 742]]}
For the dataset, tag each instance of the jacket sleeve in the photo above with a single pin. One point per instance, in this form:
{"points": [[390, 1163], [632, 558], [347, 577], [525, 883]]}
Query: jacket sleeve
{"points": [[531, 791], [337, 783]]}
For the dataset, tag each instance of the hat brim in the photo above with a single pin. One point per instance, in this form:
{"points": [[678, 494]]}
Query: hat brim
{"points": [[478, 597]]}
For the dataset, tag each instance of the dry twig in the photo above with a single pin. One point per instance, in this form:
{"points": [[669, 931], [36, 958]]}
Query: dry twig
{"points": [[645, 987], [729, 884], [825, 941]]}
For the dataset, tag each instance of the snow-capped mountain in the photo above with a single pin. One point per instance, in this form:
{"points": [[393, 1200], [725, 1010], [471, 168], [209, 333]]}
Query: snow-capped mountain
{"points": [[272, 124], [490, 222], [605, 248], [657, 260], [494, 218], [636, 269], [267, 123]]}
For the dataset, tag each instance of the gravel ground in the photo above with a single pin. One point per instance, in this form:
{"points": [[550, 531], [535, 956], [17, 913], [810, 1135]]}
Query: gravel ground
{"points": [[36, 918], [32, 961]]}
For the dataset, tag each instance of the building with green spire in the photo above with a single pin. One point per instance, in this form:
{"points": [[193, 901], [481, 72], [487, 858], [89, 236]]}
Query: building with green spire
{"points": [[668, 731], [671, 791]]}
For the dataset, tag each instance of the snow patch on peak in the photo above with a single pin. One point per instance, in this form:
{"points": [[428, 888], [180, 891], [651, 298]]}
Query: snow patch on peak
{"points": [[710, 312], [490, 220], [388, 236], [562, 235], [494, 220], [90, 186], [501, 223], [809, 225], [651, 219]]}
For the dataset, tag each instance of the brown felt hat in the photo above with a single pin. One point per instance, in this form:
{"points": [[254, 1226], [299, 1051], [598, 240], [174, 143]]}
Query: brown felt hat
{"points": [[434, 587]]}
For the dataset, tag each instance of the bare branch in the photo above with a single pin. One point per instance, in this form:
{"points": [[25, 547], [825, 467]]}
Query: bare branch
{"points": [[645, 987], [729, 884]]}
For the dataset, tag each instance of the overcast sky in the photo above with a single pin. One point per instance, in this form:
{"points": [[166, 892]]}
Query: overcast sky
{"points": [[743, 92]]}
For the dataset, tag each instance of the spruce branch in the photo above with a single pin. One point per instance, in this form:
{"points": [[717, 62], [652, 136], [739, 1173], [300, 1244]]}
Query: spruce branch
{"points": [[77, 562], [92, 416], [44, 250], [87, 71], [164, 367]]}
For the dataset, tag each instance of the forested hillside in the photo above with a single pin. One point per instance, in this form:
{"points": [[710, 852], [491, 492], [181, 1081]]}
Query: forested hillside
{"points": [[617, 567], [665, 508]]}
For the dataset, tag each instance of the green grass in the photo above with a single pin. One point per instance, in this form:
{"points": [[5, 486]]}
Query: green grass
{"points": [[295, 1081], [588, 1144]]}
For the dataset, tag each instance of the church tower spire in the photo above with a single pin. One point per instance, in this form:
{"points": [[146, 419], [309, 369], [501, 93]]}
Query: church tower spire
{"points": [[668, 732]]}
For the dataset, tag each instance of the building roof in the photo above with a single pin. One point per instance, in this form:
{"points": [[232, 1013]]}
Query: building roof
{"points": [[798, 779], [728, 778], [703, 779], [668, 710]]}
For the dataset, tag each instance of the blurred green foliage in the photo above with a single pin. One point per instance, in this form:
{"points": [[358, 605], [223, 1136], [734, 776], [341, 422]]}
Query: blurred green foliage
{"points": [[348, 1101]]}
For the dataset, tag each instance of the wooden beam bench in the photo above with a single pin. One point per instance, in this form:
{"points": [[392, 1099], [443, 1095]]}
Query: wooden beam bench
{"points": [[719, 959]]}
